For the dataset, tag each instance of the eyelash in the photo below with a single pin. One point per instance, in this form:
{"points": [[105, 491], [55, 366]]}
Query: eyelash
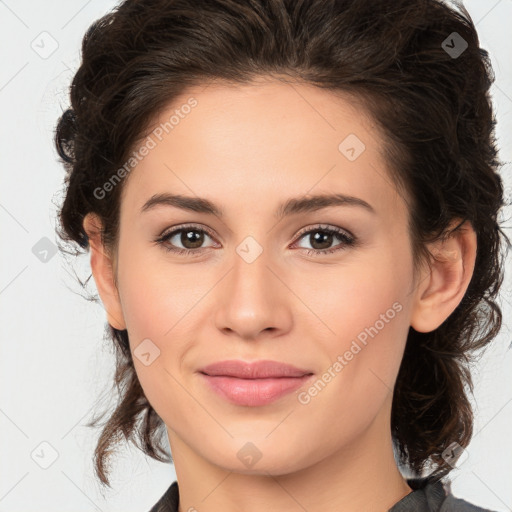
{"points": [[348, 240]]}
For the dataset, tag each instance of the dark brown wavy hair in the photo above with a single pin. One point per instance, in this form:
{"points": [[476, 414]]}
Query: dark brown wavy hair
{"points": [[396, 59]]}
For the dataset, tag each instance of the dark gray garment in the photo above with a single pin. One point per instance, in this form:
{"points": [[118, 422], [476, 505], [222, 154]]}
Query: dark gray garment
{"points": [[430, 495], [427, 496]]}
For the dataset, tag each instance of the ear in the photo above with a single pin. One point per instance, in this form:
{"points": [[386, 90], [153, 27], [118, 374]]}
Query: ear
{"points": [[103, 272], [442, 287]]}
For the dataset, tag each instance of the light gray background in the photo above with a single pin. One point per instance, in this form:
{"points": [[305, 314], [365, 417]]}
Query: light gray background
{"points": [[53, 362]]}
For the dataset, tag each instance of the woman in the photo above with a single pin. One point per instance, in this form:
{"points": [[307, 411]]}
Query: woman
{"points": [[289, 376]]}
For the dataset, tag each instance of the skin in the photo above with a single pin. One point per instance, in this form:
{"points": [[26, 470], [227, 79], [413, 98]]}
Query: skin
{"points": [[247, 149]]}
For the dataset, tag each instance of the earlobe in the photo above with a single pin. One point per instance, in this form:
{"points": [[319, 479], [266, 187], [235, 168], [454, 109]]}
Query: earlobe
{"points": [[442, 288], [102, 270]]}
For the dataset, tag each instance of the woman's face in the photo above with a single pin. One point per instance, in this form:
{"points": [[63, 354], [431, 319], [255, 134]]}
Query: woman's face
{"points": [[249, 290]]}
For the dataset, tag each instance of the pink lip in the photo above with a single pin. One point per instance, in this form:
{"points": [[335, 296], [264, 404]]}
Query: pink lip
{"points": [[256, 370], [253, 384]]}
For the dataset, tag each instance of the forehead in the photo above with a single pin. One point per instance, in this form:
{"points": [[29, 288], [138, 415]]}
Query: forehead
{"points": [[259, 143]]}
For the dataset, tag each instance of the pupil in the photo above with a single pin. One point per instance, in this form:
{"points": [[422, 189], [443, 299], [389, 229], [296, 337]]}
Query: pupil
{"points": [[189, 237], [327, 239]]}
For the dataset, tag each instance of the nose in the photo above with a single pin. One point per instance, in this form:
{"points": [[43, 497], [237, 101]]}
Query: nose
{"points": [[254, 298]]}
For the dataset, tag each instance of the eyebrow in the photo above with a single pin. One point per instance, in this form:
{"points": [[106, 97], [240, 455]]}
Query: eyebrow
{"points": [[289, 207]]}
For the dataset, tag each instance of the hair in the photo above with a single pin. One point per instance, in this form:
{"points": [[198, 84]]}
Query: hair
{"points": [[432, 108]]}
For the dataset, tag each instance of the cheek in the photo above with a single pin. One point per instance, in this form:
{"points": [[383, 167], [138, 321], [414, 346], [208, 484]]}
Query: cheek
{"points": [[160, 304], [366, 312], [155, 306], [155, 294], [143, 305], [363, 356]]}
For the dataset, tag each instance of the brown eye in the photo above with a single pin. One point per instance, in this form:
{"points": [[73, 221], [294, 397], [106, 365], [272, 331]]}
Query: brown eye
{"points": [[321, 239], [191, 238]]}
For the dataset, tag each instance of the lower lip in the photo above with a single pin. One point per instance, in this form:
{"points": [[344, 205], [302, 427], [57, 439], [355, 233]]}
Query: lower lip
{"points": [[254, 392]]}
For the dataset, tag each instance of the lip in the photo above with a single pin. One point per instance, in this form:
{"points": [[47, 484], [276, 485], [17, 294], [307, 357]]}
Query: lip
{"points": [[253, 384], [264, 369]]}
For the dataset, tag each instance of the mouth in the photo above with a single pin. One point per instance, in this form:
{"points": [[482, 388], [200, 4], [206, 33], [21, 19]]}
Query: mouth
{"points": [[254, 391], [264, 369], [255, 383]]}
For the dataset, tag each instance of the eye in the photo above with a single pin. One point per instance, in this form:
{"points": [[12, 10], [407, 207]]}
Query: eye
{"points": [[189, 235], [192, 238], [323, 236]]}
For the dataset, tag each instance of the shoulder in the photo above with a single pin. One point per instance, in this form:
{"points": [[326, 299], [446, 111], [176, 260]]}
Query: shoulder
{"points": [[453, 504], [433, 495], [169, 501]]}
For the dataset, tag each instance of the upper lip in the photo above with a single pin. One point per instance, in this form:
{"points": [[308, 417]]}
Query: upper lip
{"points": [[253, 370]]}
